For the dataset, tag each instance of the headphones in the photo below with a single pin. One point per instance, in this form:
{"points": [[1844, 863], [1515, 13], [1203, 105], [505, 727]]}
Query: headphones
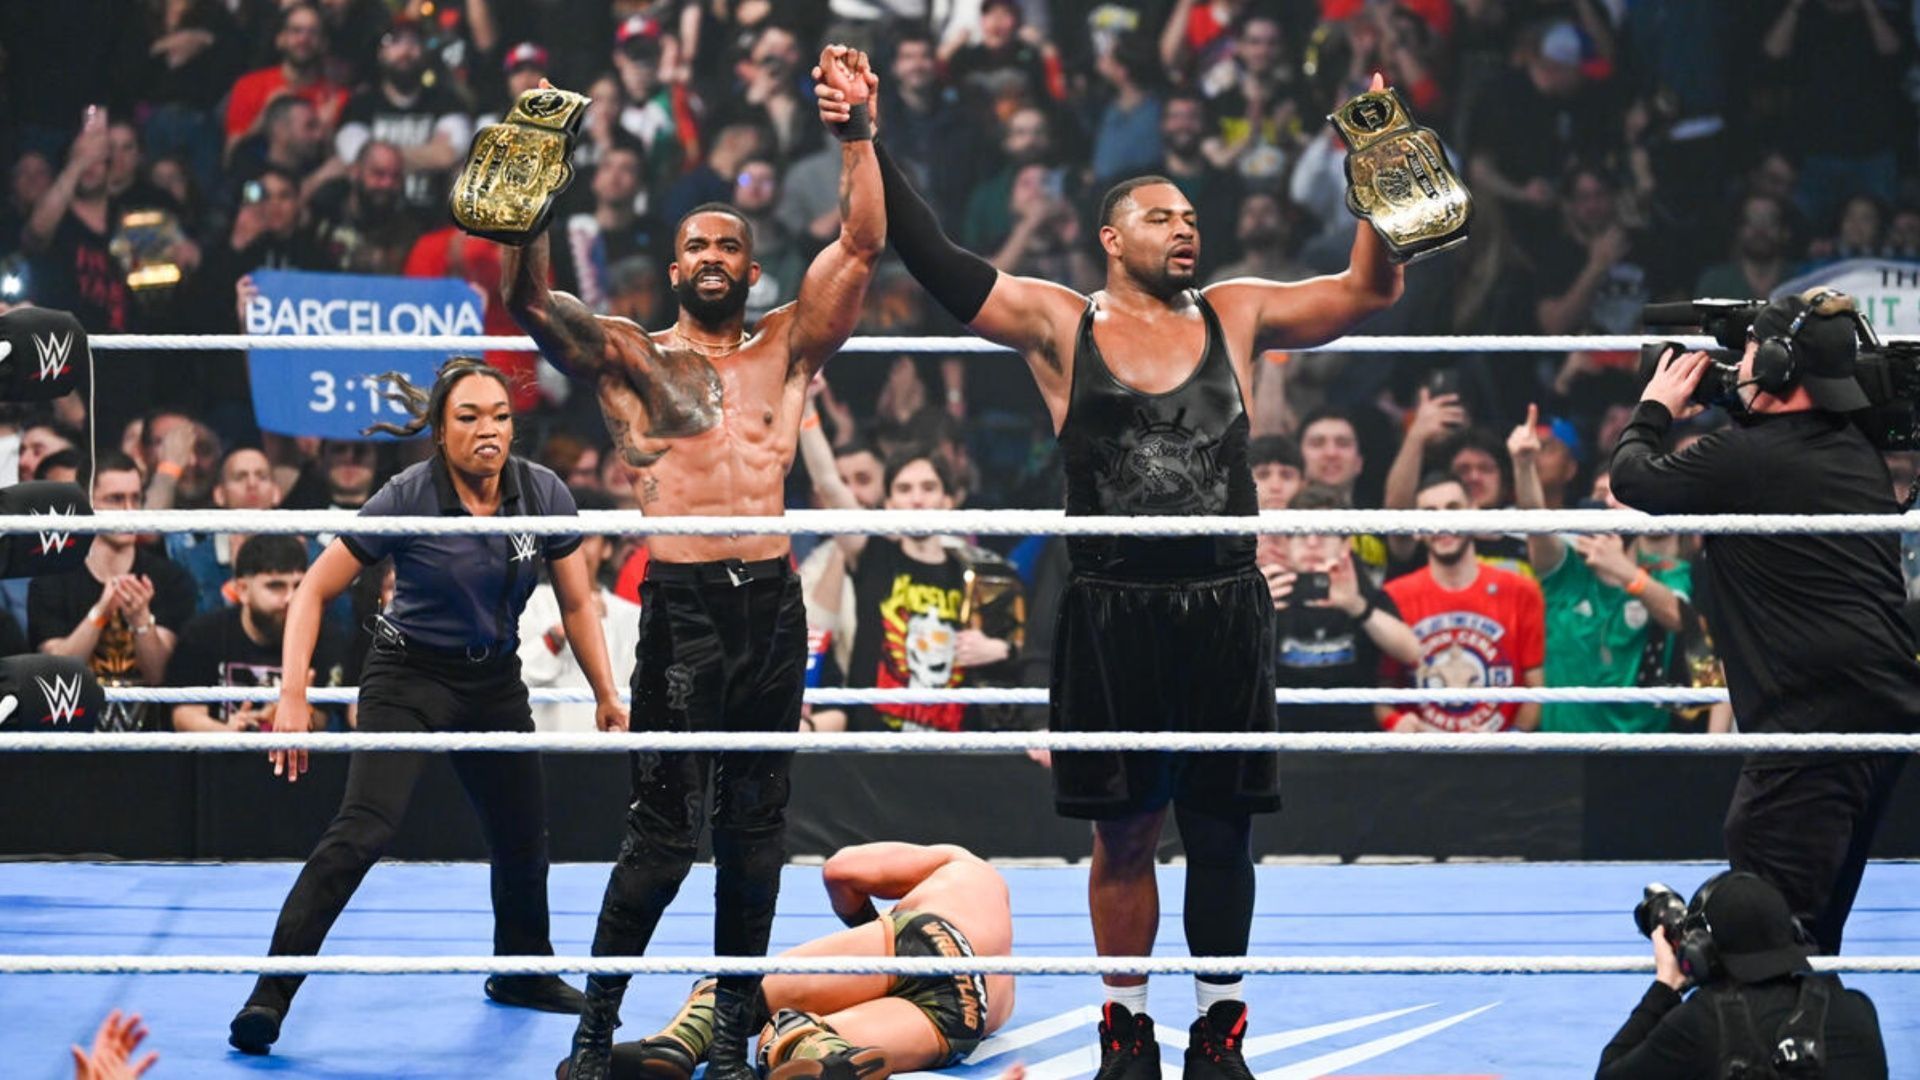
{"points": [[1776, 363], [1699, 961], [1698, 955]]}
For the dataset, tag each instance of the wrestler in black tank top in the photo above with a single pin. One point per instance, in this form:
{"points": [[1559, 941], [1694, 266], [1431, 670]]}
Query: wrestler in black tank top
{"points": [[1133, 453]]}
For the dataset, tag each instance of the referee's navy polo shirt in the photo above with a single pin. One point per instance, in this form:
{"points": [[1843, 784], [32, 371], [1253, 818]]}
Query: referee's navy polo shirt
{"points": [[458, 592]]}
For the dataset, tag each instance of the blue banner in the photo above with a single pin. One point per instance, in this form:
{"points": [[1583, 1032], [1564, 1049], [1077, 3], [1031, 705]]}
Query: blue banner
{"points": [[334, 394]]}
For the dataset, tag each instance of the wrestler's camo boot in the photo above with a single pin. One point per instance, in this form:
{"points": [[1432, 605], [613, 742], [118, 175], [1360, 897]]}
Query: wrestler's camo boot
{"points": [[1128, 1050], [734, 1023], [1213, 1044], [672, 1052], [592, 1056], [801, 1046]]}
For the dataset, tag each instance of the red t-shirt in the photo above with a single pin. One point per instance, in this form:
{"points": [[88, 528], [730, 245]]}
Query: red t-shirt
{"points": [[1490, 633], [252, 91]]}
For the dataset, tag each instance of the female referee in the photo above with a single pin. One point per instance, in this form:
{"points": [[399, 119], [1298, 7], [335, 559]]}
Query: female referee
{"points": [[443, 659]]}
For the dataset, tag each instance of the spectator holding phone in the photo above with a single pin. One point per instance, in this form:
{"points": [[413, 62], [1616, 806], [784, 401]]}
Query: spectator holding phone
{"points": [[1332, 624]]}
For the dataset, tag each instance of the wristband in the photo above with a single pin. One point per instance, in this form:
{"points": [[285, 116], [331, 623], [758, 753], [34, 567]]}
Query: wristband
{"points": [[98, 618], [1639, 583], [857, 127], [810, 421], [863, 915], [554, 640], [169, 469], [1365, 612], [145, 627]]}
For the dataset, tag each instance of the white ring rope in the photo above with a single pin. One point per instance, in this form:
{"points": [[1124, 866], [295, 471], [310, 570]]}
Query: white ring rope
{"points": [[1446, 343], [182, 964], [1014, 695], [962, 742], [962, 522]]}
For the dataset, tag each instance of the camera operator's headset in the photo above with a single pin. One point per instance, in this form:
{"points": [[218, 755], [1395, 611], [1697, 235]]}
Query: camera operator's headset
{"points": [[1776, 363], [1797, 1050]]}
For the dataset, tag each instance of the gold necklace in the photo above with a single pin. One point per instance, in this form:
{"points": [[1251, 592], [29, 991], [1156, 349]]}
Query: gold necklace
{"points": [[702, 350]]}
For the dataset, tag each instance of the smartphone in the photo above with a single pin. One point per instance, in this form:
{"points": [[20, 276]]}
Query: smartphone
{"points": [[1312, 585], [252, 191], [1443, 381]]}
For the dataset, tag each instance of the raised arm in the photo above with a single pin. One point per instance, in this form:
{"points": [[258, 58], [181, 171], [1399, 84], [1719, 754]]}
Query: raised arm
{"points": [[1544, 550], [830, 296], [1020, 313], [1298, 315], [568, 334], [824, 472]]}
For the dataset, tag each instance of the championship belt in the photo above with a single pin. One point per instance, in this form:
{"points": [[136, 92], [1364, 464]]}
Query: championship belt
{"points": [[516, 168], [992, 586], [1398, 177]]}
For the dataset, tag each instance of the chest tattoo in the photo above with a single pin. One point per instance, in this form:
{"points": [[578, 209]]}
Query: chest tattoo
{"points": [[684, 396]]}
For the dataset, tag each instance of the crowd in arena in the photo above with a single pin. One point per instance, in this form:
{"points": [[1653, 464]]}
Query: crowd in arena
{"points": [[1619, 151]]}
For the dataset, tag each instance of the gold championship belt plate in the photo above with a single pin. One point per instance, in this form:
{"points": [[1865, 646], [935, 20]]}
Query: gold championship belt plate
{"points": [[517, 167], [986, 586], [1398, 177]]}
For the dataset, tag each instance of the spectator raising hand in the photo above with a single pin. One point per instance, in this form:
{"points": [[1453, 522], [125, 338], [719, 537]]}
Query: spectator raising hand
{"points": [[111, 1055]]}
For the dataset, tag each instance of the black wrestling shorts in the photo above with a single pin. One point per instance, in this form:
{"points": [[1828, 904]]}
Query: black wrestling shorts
{"points": [[1194, 655], [723, 647], [956, 1004]]}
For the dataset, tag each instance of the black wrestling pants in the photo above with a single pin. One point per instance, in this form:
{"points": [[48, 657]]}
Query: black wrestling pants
{"points": [[1807, 827], [418, 692], [722, 648]]}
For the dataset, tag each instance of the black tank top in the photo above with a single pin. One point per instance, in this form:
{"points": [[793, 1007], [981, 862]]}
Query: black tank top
{"points": [[1181, 452]]}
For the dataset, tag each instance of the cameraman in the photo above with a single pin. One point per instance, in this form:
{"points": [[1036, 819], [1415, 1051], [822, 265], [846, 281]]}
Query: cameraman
{"points": [[1809, 627], [1756, 992]]}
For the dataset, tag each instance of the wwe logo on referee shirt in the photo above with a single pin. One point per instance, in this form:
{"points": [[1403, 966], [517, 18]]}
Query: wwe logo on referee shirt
{"points": [[524, 547], [52, 542], [63, 697], [54, 350]]}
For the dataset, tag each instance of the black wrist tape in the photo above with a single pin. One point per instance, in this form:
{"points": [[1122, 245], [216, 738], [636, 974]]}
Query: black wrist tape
{"points": [[857, 126]]}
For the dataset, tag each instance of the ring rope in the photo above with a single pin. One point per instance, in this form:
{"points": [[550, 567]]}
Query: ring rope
{"points": [[962, 742], [1017, 695], [880, 344], [185, 964], [961, 522]]}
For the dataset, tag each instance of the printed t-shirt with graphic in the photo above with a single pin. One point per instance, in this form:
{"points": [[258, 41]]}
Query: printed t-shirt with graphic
{"points": [[1326, 648], [214, 650], [1489, 634], [1596, 636], [57, 603], [908, 630]]}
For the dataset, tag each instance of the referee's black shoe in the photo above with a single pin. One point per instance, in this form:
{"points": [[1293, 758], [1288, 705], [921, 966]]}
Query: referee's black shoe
{"points": [[254, 1029], [1213, 1044], [547, 993], [1128, 1050]]}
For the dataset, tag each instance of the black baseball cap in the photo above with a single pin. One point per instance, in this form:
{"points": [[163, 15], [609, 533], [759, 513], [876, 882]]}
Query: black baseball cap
{"points": [[1824, 349], [1753, 931]]}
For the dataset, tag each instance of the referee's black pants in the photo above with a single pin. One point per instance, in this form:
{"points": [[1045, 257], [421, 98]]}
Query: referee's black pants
{"points": [[421, 692], [1807, 825]]}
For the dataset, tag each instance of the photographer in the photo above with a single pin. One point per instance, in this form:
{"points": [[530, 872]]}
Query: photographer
{"points": [[1758, 1002], [1809, 627]]}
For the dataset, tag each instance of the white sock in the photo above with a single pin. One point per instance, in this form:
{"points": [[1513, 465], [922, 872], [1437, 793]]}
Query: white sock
{"points": [[1133, 998], [1206, 994]]}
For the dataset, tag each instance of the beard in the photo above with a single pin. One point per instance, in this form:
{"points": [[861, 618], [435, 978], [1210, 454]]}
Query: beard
{"points": [[1163, 281], [273, 625], [712, 311], [1453, 557], [406, 79]]}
